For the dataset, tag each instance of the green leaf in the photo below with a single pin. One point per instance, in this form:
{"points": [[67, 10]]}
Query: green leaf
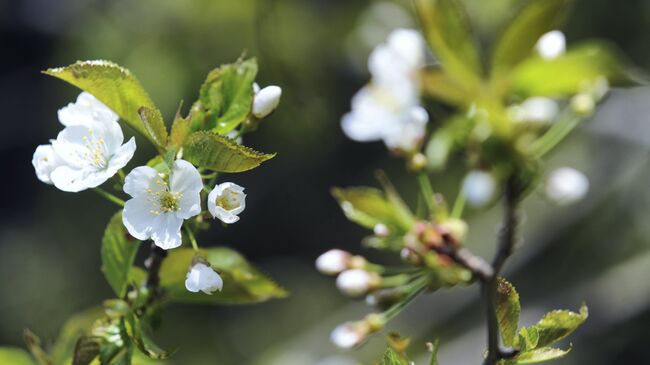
{"points": [[527, 339], [369, 207], [242, 282], [75, 327], [446, 140], [539, 355], [181, 128], [141, 334], [439, 85], [227, 95], [558, 324], [219, 153], [508, 310], [86, 350], [118, 253], [522, 33], [112, 85], [154, 124], [567, 74], [448, 32], [34, 345], [391, 357], [15, 356]]}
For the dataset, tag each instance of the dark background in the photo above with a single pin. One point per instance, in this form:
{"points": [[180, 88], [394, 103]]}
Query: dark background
{"points": [[597, 251]]}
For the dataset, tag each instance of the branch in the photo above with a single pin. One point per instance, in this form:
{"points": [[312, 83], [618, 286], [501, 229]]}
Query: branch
{"points": [[152, 264]]}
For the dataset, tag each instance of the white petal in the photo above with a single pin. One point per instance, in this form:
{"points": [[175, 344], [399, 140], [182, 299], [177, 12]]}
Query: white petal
{"points": [[45, 161], [479, 187], [231, 191], [140, 180], [538, 109], [185, 179], [333, 262], [354, 282], [166, 231], [122, 155], [551, 45], [70, 179], [138, 218], [201, 277], [266, 100], [85, 110], [409, 45]]}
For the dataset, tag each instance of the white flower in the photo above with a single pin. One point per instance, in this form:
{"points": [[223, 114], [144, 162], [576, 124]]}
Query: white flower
{"points": [[90, 154], [536, 109], [395, 63], [157, 209], [356, 282], [551, 45], [333, 262], [44, 162], [265, 100], [86, 109], [347, 336], [226, 201], [201, 277], [479, 187], [381, 230], [566, 185]]}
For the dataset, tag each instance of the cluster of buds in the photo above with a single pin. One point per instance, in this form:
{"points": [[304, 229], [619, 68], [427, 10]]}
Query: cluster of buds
{"points": [[354, 279], [439, 237]]}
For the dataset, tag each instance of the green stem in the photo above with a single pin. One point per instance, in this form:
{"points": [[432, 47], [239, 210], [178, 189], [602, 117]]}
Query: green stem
{"points": [[415, 289], [427, 192], [555, 135], [459, 205], [190, 234], [108, 196]]}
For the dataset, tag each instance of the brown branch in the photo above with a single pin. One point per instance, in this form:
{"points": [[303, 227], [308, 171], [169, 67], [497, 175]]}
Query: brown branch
{"points": [[153, 263]]}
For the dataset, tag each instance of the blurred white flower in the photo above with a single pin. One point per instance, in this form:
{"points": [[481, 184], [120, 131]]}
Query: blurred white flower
{"points": [[90, 153], [536, 109], [157, 209], [479, 187], [347, 336], [551, 45], [226, 201], [265, 100], [356, 282], [381, 230], [566, 185], [86, 109], [234, 134], [333, 262], [202, 277], [44, 162]]}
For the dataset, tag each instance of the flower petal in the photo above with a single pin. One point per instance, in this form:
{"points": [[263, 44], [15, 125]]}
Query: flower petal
{"points": [[122, 155], [137, 217], [185, 178], [166, 231], [140, 180]]}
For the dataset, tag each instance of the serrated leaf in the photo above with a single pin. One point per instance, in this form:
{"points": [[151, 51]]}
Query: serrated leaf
{"points": [[154, 124], [15, 356], [113, 85], [86, 350], [219, 153], [369, 207], [242, 282], [527, 339], [558, 324], [181, 128], [508, 310], [539, 355], [447, 30], [567, 74], [520, 36], [227, 95], [141, 334], [118, 253]]}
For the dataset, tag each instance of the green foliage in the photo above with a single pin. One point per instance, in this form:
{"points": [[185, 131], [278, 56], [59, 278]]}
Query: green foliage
{"points": [[446, 140], [212, 151], [369, 207], [391, 357], [118, 253], [558, 324], [154, 124], [15, 356], [508, 310], [179, 132], [243, 283], [440, 85], [77, 326], [226, 96], [141, 334], [112, 85], [520, 36], [395, 353], [86, 350], [34, 345]]}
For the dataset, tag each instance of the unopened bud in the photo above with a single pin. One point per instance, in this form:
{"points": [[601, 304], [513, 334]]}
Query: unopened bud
{"points": [[583, 104], [348, 335], [333, 262], [457, 228], [551, 45], [266, 100], [357, 282], [479, 187], [417, 162], [381, 230], [410, 256], [566, 185]]}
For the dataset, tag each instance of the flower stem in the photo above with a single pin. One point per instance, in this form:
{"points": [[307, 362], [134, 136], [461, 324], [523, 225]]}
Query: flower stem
{"points": [[459, 205], [110, 197], [192, 238], [555, 135], [416, 287], [427, 192]]}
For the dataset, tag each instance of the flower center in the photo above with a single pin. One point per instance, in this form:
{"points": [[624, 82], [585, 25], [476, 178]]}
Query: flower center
{"points": [[228, 201], [96, 150], [168, 201]]}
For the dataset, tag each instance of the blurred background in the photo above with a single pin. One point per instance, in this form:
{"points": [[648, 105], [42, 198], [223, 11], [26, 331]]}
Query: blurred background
{"points": [[596, 251]]}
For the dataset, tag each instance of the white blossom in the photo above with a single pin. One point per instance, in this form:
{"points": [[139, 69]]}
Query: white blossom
{"points": [[90, 153], [536, 109], [551, 45], [202, 277], [226, 201], [381, 230], [566, 185], [45, 161], [479, 187], [157, 208], [86, 109], [333, 262], [265, 100], [347, 336], [356, 282]]}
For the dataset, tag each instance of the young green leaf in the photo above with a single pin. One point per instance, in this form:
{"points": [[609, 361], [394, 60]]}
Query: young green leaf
{"points": [[447, 30], [437, 84], [369, 207], [118, 253], [242, 282], [508, 310], [391, 357], [112, 85], [227, 95], [558, 324], [141, 334], [527, 339], [538, 355], [212, 151], [15, 356], [567, 74], [86, 350], [180, 130], [154, 124], [521, 34]]}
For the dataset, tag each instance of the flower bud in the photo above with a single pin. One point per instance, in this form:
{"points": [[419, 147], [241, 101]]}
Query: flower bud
{"points": [[479, 187], [266, 100], [457, 228], [536, 110], [417, 162], [348, 335], [583, 104], [551, 45], [357, 282], [381, 230], [202, 277], [333, 262], [566, 185]]}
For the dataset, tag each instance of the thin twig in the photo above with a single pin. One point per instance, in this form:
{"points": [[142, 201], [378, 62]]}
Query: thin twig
{"points": [[153, 263]]}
